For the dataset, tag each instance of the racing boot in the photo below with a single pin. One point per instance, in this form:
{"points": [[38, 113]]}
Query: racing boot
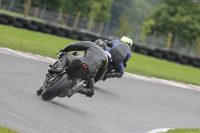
{"points": [[112, 75], [88, 90]]}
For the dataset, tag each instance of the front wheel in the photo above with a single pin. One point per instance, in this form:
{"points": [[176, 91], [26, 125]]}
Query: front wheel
{"points": [[55, 90]]}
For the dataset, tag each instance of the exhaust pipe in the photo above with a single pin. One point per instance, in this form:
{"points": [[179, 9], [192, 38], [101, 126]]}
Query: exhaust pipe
{"points": [[75, 89]]}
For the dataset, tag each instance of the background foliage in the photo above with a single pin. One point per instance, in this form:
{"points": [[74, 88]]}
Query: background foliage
{"points": [[179, 17]]}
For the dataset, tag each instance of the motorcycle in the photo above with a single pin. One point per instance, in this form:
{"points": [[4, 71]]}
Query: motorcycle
{"points": [[61, 84], [110, 69]]}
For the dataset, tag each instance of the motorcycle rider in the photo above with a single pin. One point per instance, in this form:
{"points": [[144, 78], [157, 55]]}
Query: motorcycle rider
{"points": [[120, 51], [91, 67]]}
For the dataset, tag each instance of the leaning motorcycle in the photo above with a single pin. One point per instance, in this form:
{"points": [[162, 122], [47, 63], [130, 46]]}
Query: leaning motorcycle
{"points": [[61, 84]]}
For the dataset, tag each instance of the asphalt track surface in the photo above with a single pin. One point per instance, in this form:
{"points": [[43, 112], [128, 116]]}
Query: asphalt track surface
{"points": [[119, 105]]}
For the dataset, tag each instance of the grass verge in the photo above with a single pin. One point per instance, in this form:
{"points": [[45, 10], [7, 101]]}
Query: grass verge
{"points": [[153, 67], [184, 131], [49, 45], [34, 42], [7, 130]]}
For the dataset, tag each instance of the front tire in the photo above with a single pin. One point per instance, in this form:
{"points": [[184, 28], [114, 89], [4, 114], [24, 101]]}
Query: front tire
{"points": [[39, 92], [56, 89]]}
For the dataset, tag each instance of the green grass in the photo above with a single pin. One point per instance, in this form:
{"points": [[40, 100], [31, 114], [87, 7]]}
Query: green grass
{"points": [[49, 45], [153, 67], [7, 130], [29, 41], [183, 131]]}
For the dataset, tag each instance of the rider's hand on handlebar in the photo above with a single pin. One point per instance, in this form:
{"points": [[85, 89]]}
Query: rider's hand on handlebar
{"points": [[59, 55], [62, 50]]}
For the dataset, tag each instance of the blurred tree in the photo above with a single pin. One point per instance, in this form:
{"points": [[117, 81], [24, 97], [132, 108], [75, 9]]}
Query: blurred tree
{"points": [[119, 9], [124, 27], [53, 5], [179, 17], [98, 10], [137, 10], [140, 10], [76, 5], [146, 28]]}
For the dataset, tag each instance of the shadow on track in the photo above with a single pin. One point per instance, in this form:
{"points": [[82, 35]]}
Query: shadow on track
{"points": [[104, 91], [72, 109]]}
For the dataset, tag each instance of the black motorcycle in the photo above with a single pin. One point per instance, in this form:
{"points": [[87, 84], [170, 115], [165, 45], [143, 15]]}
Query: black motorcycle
{"points": [[60, 84]]}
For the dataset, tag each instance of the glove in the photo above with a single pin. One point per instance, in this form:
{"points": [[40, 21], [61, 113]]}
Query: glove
{"points": [[60, 55], [125, 65], [62, 50]]}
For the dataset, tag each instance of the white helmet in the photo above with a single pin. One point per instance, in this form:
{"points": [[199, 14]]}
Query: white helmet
{"points": [[127, 40]]}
